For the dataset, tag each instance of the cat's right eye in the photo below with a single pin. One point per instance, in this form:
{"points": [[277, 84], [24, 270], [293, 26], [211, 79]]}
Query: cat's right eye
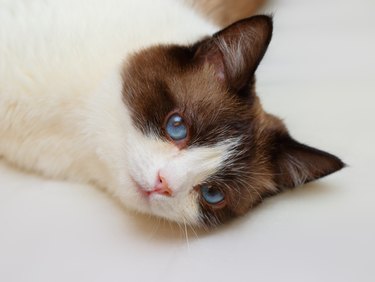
{"points": [[176, 129], [212, 195]]}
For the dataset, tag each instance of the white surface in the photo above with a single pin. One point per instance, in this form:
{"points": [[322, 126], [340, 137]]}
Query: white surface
{"points": [[319, 76]]}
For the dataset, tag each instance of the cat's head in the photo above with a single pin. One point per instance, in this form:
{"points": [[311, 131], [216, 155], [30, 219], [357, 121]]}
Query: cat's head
{"points": [[203, 150]]}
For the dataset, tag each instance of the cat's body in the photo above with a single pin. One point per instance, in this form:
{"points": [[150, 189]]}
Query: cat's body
{"points": [[61, 106], [67, 80], [54, 57]]}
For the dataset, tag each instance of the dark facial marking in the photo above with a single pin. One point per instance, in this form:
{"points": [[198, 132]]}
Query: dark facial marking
{"points": [[217, 100]]}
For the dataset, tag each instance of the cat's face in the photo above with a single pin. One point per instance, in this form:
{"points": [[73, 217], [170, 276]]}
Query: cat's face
{"points": [[203, 150]]}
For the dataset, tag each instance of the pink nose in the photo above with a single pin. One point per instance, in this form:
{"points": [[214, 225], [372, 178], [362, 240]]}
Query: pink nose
{"points": [[162, 187]]}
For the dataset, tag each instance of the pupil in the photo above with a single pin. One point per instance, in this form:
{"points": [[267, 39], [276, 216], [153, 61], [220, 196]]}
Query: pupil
{"points": [[212, 192]]}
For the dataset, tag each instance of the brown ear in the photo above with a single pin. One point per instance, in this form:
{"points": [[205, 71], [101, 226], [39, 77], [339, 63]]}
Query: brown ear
{"points": [[297, 163], [236, 51]]}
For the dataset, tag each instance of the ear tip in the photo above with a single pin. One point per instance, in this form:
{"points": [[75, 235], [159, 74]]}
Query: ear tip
{"points": [[338, 164], [335, 164], [264, 19]]}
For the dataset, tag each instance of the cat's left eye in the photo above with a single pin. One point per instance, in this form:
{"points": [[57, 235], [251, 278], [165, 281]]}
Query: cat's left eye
{"points": [[176, 127], [212, 195]]}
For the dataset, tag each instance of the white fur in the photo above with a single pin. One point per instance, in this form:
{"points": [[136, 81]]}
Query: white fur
{"points": [[61, 111]]}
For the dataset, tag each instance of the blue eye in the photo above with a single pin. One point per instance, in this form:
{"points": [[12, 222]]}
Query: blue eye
{"points": [[176, 127], [211, 195]]}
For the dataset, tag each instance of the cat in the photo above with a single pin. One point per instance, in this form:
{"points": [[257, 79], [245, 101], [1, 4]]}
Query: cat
{"points": [[150, 101]]}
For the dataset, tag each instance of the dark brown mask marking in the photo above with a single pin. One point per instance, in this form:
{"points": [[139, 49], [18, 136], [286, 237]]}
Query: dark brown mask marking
{"points": [[212, 83]]}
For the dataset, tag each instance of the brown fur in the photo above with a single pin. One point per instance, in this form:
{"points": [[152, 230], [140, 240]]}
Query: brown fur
{"points": [[218, 101], [225, 12]]}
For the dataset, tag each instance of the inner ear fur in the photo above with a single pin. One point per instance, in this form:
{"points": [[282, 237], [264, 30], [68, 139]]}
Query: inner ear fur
{"points": [[296, 163], [236, 51]]}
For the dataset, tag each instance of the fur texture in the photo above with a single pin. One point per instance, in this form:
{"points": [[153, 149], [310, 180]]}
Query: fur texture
{"points": [[86, 88]]}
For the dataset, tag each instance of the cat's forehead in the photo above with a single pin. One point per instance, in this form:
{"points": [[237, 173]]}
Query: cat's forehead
{"points": [[162, 79], [175, 68]]}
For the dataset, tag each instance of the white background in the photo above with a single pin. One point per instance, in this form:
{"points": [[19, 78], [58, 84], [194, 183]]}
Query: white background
{"points": [[319, 76]]}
